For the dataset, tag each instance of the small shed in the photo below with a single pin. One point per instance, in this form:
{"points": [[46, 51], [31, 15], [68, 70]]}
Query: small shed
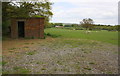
{"points": [[22, 27]]}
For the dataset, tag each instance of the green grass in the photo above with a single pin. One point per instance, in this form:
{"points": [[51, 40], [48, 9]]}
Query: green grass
{"points": [[16, 68], [103, 36], [43, 68], [3, 63], [30, 53], [39, 63], [20, 70], [87, 68], [25, 47], [12, 48], [91, 63]]}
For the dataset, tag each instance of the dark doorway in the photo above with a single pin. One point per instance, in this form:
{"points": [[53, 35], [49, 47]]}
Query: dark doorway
{"points": [[20, 28]]}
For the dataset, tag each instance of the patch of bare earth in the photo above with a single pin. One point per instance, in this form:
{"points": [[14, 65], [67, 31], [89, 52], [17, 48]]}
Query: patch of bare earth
{"points": [[56, 56]]}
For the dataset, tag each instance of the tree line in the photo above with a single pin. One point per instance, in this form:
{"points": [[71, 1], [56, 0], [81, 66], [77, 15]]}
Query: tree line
{"points": [[87, 24]]}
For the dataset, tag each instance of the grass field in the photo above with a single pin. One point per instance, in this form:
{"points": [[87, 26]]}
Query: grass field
{"points": [[103, 36]]}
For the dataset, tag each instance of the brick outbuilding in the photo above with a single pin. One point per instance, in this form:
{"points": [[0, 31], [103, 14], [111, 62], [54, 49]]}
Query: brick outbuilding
{"points": [[27, 27]]}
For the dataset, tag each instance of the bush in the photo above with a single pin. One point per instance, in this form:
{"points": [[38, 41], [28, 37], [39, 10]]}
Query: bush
{"points": [[5, 27], [79, 29], [52, 35]]}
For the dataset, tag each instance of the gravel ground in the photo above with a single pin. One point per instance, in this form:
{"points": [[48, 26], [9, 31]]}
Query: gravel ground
{"points": [[56, 56]]}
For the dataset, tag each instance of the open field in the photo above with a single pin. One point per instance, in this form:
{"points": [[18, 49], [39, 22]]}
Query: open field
{"points": [[71, 52], [104, 36]]}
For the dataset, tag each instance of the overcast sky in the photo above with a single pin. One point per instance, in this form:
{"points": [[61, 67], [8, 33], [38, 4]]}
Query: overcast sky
{"points": [[73, 11]]}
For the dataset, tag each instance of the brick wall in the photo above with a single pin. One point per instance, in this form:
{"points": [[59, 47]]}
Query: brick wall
{"points": [[14, 28], [34, 27]]}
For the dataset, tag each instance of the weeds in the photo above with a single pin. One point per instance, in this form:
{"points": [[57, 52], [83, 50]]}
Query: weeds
{"points": [[4, 63], [39, 62], [16, 68], [58, 62], [85, 52], [43, 68], [20, 70], [52, 35], [25, 47], [109, 72], [12, 49], [91, 63], [30, 53], [55, 69], [88, 68], [26, 43]]}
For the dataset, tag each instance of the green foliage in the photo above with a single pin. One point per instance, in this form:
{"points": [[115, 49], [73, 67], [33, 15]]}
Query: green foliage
{"points": [[87, 23], [106, 27], [27, 9], [39, 63], [37, 16], [91, 63], [20, 70], [25, 47], [74, 25], [43, 68], [50, 25], [117, 27], [56, 24], [5, 27], [16, 68], [88, 68], [59, 62], [30, 53], [32, 37], [52, 35], [12, 48], [67, 25], [79, 28], [3, 63]]}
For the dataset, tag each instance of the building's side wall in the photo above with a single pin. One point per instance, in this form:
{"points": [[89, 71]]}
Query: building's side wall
{"points": [[42, 28], [14, 28], [34, 27]]}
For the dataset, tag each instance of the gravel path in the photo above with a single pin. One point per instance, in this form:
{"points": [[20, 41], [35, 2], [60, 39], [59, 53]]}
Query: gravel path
{"points": [[52, 56]]}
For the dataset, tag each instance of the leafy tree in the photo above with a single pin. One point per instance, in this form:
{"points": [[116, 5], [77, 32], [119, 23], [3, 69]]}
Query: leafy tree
{"points": [[51, 25], [117, 27], [74, 25], [87, 23], [58, 24], [7, 8]]}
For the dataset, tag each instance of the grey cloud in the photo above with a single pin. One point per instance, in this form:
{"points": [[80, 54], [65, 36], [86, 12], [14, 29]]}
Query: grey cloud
{"points": [[101, 12]]}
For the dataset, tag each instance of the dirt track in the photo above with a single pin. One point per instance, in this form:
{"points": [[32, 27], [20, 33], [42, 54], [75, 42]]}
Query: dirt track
{"points": [[51, 56]]}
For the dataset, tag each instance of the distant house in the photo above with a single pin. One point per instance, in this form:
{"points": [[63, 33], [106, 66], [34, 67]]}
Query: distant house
{"points": [[59, 26], [27, 27]]}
